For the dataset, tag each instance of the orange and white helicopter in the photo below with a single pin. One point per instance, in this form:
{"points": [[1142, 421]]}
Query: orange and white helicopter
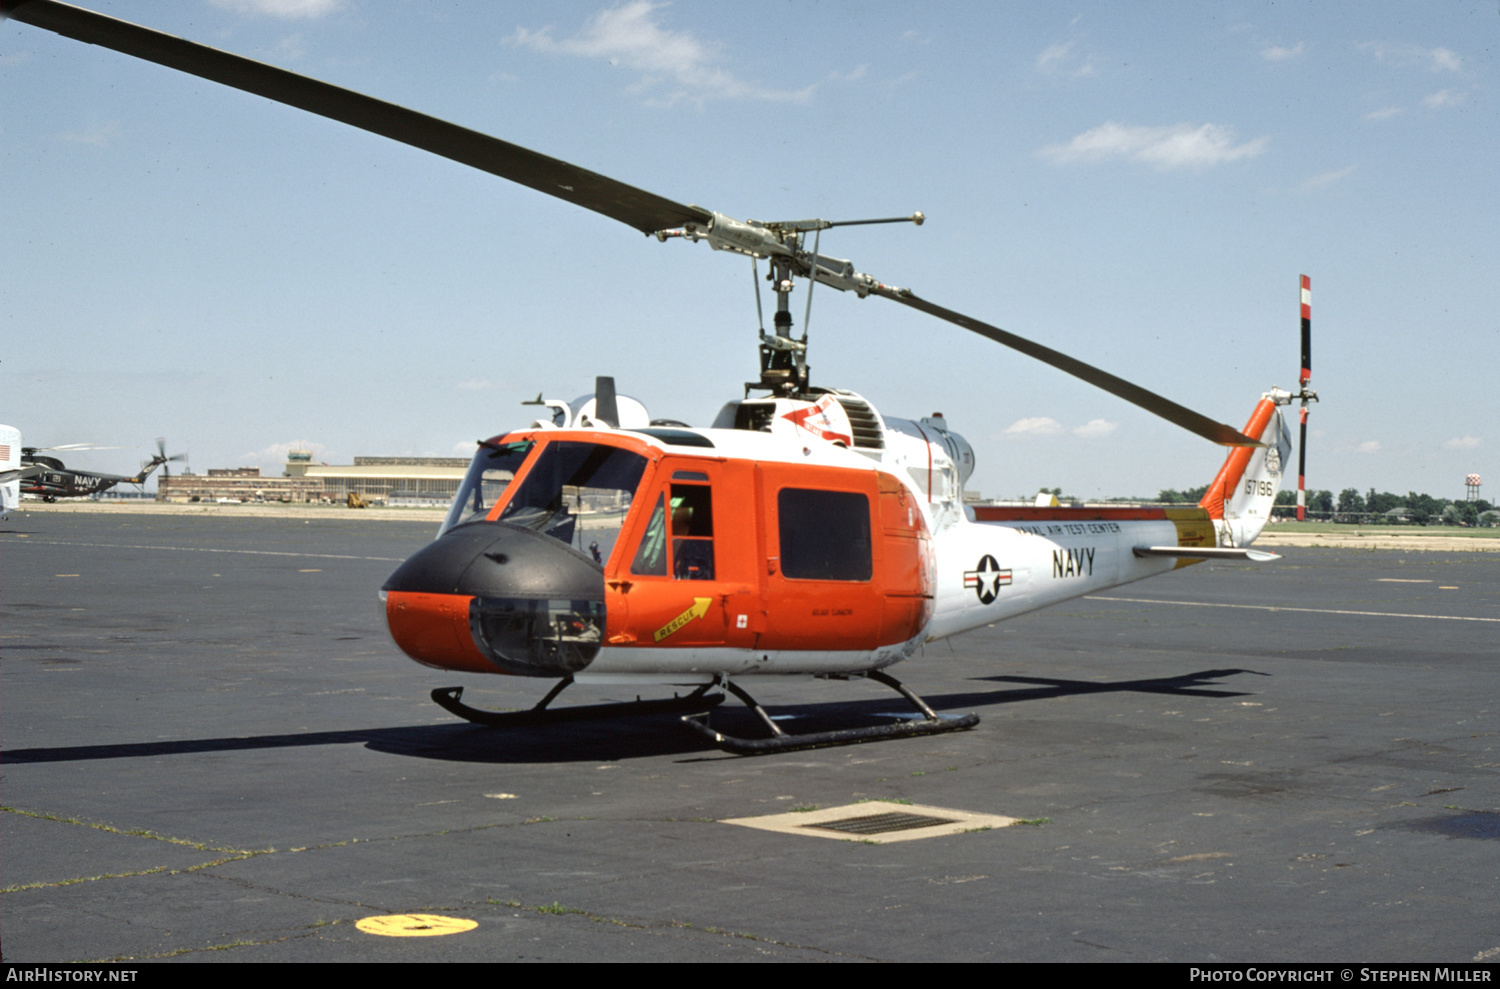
{"points": [[801, 533]]}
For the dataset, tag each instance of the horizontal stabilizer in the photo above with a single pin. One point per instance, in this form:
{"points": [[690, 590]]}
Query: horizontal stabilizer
{"points": [[1207, 553]]}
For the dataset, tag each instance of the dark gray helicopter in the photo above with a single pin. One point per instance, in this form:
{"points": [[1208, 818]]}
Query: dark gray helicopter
{"points": [[56, 480]]}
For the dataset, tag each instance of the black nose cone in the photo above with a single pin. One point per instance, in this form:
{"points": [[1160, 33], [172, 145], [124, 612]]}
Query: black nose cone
{"points": [[496, 559], [538, 604]]}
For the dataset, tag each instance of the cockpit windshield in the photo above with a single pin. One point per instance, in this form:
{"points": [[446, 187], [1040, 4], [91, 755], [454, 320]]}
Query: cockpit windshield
{"points": [[489, 475], [578, 493]]}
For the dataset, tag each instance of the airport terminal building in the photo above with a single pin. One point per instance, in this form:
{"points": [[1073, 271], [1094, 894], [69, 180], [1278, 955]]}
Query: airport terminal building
{"points": [[394, 481]]}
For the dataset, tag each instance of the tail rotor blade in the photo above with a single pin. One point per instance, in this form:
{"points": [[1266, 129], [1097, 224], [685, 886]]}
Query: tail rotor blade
{"points": [[1302, 468], [1306, 330], [1305, 291]]}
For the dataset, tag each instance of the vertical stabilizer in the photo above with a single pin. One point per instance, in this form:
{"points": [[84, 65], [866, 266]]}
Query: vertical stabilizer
{"points": [[1241, 497]]}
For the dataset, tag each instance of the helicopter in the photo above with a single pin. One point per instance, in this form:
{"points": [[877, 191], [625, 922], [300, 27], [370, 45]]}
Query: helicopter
{"points": [[12, 471], [49, 479], [801, 533]]}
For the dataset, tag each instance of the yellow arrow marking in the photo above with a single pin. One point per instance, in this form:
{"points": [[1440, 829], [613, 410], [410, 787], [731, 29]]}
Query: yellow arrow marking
{"points": [[698, 610], [415, 925]]}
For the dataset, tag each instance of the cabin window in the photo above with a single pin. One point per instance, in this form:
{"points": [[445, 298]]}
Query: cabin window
{"points": [[690, 510], [651, 558], [489, 474], [825, 535], [692, 532], [578, 493]]}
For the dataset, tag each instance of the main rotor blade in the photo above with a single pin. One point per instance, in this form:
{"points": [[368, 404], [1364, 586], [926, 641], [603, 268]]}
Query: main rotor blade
{"points": [[1135, 394], [633, 207]]}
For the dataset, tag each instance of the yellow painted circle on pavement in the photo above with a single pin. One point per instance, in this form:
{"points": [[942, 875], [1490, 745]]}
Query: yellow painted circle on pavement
{"points": [[415, 925]]}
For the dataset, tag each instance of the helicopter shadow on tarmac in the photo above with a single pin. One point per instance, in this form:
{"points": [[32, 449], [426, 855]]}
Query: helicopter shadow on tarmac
{"points": [[628, 737]]}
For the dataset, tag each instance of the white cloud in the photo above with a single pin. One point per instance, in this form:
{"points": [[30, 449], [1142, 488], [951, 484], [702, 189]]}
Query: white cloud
{"points": [[1442, 98], [1163, 148], [1052, 56], [1280, 53], [1095, 428], [99, 136], [675, 64], [1035, 426], [1368, 446], [1384, 113], [1444, 60], [1436, 59], [1065, 59], [1327, 178], [1461, 443], [292, 48], [285, 9]]}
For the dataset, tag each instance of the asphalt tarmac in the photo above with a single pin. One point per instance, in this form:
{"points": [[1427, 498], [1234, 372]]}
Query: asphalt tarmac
{"points": [[210, 751]]}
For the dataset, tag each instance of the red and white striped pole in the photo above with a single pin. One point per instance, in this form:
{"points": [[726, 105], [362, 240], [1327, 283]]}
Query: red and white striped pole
{"points": [[1306, 300]]}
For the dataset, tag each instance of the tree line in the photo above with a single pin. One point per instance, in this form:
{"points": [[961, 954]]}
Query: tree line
{"points": [[1351, 506]]}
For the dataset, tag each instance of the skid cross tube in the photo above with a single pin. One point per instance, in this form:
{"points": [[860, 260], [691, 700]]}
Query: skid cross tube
{"points": [[697, 702], [780, 741]]}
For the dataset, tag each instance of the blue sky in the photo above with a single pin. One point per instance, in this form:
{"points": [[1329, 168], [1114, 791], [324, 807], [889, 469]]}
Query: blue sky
{"points": [[1138, 185]]}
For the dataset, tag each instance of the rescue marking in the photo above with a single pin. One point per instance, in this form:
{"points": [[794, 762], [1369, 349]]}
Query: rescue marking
{"points": [[698, 610], [1277, 607], [415, 925], [987, 579], [1073, 562]]}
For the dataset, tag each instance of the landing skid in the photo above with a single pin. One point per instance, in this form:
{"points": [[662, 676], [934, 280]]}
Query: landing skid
{"points": [[695, 703], [780, 741]]}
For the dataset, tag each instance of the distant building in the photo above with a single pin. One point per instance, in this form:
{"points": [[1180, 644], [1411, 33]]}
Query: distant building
{"points": [[403, 481], [396, 481]]}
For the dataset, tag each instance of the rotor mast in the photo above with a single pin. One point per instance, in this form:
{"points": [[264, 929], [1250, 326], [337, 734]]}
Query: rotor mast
{"points": [[783, 358]]}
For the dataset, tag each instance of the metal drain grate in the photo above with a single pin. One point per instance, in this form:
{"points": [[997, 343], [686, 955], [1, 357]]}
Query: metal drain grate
{"points": [[880, 823], [875, 822]]}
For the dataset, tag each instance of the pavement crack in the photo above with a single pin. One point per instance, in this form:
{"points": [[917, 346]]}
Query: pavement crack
{"points": [[130, 832]]}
